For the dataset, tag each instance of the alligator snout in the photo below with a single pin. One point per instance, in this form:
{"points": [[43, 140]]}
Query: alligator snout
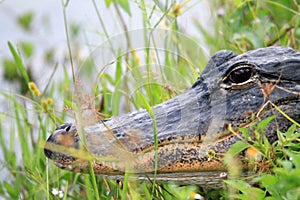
{"points": [[64, 137]]}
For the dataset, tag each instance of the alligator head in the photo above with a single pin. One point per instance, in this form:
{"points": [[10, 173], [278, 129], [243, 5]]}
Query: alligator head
{"points": [[232, 91]]}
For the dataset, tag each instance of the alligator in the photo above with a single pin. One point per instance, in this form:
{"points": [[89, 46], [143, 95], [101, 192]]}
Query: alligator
{"points": [[173, 140]]}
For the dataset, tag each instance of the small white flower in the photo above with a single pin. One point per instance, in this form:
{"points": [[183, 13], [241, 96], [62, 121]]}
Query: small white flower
{"points": [[198, 197], [257, 20], [57, 192]]}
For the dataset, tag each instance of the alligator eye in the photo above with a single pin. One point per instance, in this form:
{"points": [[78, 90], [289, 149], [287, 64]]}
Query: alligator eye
{"points": [[239, 77], [240, 74]]}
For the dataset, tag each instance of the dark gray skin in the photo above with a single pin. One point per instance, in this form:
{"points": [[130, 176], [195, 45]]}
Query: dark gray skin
{"points": [[232, 91]]}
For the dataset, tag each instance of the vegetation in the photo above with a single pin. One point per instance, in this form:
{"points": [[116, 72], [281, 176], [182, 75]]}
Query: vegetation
{"points": [[141, 76]]}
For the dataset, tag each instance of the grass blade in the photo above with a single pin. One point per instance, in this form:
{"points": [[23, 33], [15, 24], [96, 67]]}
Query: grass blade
{"points": [[19, 62]]}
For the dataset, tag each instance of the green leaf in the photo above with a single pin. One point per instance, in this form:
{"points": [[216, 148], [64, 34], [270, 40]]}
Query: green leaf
{"points": [[89, 187], [143, 101], [108, 78], [267, 179], [107, 2], [287, 165], [116, 97], [125, 186], [246, 189], [25, 20], [270, 198], [124, 5], [238, 184], [107, 97], [295, 158], [10, 69], [2, 192], [27, 48], [11, 159], [118, 69], [269, 182], [264, 123], [11, 190], [266, 146], [254, 193], [68, 103], [238, 147], [291, 131], [93, 180], [293, 194], [245, 133], [238, 3]]}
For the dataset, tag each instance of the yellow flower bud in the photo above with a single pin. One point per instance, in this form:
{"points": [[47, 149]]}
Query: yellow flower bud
{"points": [[49, 101], [176, 9], [33, 88]]}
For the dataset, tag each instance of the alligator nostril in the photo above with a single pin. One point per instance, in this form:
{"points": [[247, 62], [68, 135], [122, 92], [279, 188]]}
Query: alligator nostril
{"points": [[65, 126], [68, 128]]}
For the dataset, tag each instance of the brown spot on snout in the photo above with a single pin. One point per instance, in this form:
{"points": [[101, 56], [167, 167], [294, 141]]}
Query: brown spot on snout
{"points": [[65, 139]]}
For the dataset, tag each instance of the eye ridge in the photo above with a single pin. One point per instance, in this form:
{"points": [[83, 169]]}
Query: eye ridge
{"points": [[241, 74]]}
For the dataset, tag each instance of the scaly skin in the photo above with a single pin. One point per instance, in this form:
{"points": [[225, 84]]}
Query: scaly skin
{"points": [[232, 91]]}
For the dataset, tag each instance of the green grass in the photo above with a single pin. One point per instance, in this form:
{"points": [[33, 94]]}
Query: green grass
{"points": [[142, 78]]}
